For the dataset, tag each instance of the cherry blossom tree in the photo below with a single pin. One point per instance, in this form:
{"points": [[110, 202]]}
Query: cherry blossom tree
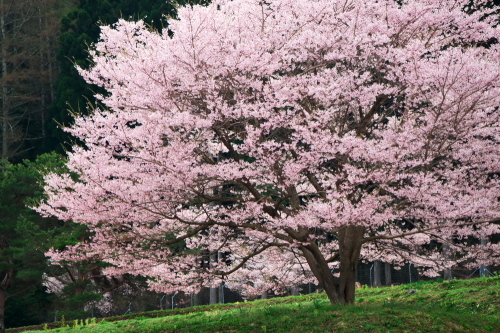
{"points": [[294, 137]]}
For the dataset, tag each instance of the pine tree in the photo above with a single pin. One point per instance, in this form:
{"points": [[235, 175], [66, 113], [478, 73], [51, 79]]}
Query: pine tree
{"points": [[24, 235]]}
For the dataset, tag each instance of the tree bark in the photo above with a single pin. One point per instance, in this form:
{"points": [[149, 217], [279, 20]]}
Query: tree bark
{"points": [[221, 293], [213, 290], [319, 267], [341, 290], [483, 269], [377, 273], [5, 101], [4, 285], [447, 274], [388, 279], [42, 41], [350, 241], [3, 298]]}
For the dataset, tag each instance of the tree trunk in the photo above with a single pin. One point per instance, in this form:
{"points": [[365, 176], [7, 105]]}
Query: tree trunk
{"points": [[213, 290], [5, 280], [3, 298], [483, 269], [4, 285], [213, 295], [320, 269], [4, 92], [377, 273], [447, 274], [221, 293], [350, 241], [42, 41], [446, 252], [388, 280], [340, 290]]}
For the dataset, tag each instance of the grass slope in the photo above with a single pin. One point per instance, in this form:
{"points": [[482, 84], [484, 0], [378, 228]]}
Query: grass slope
{"points": [[450, 306]]}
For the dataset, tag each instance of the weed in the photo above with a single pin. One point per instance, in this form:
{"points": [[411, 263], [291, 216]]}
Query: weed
{"points": [[269, 311], [317, 303]]}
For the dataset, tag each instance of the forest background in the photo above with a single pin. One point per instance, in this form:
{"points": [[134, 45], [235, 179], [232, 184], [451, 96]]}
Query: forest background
{"points": [[40, 91]]}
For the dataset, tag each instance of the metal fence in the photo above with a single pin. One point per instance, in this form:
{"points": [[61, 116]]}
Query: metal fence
{"points": [[368, 274]]}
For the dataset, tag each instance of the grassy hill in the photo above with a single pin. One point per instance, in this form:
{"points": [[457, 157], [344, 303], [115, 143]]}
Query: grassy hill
{"points": [[449, 306]]}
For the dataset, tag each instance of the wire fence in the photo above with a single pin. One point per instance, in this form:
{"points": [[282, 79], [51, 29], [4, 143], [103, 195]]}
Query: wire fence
{"points": [[368, 274], [373, 274]]}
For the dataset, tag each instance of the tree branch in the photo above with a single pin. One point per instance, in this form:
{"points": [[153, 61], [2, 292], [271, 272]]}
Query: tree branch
{"points": [[364, 121], [420, 231], [250, 256]]}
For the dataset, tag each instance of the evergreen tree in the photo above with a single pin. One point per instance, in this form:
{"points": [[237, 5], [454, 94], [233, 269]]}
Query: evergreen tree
{"points": [[24, 237]]}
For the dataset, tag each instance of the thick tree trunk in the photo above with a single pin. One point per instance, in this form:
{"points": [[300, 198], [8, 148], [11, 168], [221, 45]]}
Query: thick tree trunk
{"points": [[388, 280], [221, 293], [195, 299], [338, 290], [213, 295], [319, 267], [350, 241]]}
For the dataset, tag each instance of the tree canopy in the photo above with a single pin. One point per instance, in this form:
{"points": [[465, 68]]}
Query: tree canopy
{"points": [[24, 237], [79, 29], [295, 137]]}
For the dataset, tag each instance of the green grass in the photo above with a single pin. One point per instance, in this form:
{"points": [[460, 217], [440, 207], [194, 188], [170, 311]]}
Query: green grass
{"points": [[450, 306]]}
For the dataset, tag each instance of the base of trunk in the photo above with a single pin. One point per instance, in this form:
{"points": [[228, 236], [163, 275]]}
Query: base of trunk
{"points": [[339, 290]]}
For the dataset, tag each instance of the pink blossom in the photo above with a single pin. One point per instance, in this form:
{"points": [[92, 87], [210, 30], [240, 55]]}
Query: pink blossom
{"points": [[293, 136]]}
